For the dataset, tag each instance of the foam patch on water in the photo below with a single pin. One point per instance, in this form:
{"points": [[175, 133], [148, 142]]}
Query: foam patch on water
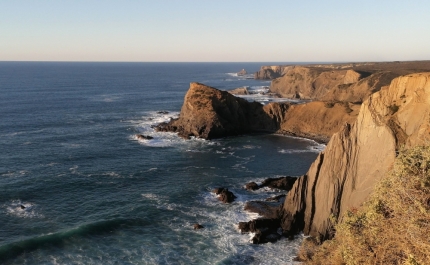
{"points": [[22, 209]]}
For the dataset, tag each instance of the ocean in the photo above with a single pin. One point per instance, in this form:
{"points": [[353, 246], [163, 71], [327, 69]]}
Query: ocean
{"points": [[77, 186]]}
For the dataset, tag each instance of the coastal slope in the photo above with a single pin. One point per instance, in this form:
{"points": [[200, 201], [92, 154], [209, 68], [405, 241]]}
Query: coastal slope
{"points": [[358, 156]]}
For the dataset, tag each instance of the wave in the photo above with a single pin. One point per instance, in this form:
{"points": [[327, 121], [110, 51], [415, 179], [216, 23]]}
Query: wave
{"points": [[57, 239]]}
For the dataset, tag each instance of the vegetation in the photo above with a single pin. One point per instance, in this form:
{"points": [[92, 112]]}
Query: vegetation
{"points": [[392, 227]]}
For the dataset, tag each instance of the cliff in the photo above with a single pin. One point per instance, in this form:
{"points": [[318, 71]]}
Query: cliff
{"points": [[271, 72], [211, 113], [352, 82], [359, 155]]}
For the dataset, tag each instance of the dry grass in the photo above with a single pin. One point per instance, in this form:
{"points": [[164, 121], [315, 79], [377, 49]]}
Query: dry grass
{"points": [[393, 226]]}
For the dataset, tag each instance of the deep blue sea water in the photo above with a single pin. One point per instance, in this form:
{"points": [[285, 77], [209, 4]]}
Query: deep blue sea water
{"points": [[94, 194]]}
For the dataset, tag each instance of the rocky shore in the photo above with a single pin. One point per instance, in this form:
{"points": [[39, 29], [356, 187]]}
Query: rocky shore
{"points": [[362, 139]]}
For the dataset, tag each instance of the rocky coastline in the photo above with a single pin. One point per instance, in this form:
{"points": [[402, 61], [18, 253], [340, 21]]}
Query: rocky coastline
{"points": [[365, 112]]}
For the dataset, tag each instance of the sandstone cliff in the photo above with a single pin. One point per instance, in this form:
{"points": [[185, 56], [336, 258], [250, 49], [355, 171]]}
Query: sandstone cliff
{"points": [[358, 156], [352, 82], [271, 72], [211, 113]]}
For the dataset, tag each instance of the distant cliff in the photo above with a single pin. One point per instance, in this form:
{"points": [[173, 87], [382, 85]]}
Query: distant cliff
{"points": [[271, 72], [211, 113], [351, 82], [359, 155]]}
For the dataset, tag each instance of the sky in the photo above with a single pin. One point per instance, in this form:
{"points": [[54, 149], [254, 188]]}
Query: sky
{"points": [[214, 31]]}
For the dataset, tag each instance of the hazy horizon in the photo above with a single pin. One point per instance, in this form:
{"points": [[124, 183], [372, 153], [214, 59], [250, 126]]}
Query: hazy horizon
{"points": [[222, 31]]}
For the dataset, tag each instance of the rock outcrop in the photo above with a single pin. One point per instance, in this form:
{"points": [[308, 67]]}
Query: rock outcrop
{"points": [[239, 91], [211, 113], [272, 72], [242, 72], [358, 156]]}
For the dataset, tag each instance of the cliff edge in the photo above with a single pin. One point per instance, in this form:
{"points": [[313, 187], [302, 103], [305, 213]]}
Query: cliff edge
{"points": [[358, 156]]}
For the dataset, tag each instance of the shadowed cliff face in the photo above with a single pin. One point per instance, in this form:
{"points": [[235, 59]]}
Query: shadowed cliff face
{"points": [[359, 155], [211, 113]]}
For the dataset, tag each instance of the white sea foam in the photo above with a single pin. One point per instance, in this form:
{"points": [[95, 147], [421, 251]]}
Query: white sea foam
{"points": [[22, 209]]}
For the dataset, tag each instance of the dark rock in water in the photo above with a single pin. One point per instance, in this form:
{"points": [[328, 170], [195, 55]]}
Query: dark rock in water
{"points": [[252, 186], [277, 198], [242, 72], [163, 112], [144, 137], [198, 226], [258, 224], [265, 236], [224, 195], [265, 230], [282, 183], [22, 207], [265, 209]]}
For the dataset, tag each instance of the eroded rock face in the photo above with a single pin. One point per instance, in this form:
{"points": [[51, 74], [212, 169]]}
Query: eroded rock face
{"points": [[211, 113], [312, 82], [271, 72], [359, 155]]}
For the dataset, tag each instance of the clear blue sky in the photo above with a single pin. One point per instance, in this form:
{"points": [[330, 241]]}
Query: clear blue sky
{"points": [[214, 30]]}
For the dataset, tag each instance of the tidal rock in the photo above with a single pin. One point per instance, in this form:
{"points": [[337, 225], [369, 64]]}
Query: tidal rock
{"points": [[268, 210], [144, 137], [242, 72], [281, 183], [252, 186], [359, 156], [266, 230], [197, 226], [224, 195], [163, 112]]}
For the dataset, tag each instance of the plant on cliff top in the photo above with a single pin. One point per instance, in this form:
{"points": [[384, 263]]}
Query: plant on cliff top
{"points": [[393, 226]]}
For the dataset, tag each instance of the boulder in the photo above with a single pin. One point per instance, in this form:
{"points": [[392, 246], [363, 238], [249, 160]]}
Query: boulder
{"points": [[281, 183], [224, 195], [252, 186], [242, 72], [197, 226]]}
